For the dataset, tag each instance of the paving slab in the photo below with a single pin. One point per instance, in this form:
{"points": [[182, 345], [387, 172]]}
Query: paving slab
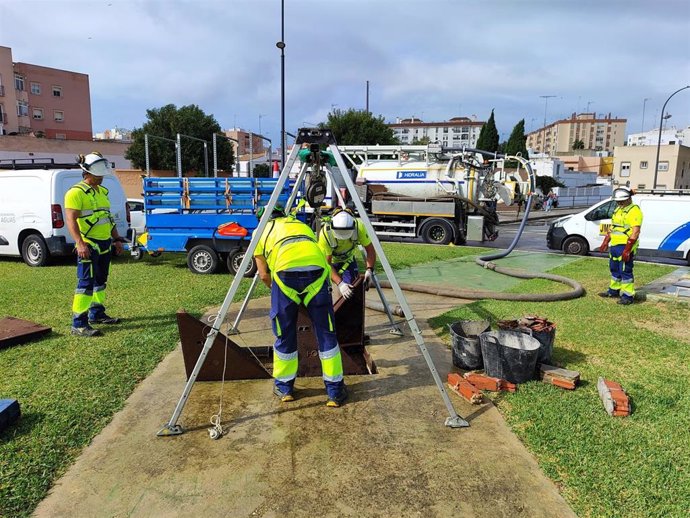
{"points": [[674, 287], [384, 453]]}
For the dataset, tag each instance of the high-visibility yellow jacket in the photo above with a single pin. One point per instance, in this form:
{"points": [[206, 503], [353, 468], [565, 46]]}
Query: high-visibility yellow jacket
{"points": [[622, 223], [95, 220]]}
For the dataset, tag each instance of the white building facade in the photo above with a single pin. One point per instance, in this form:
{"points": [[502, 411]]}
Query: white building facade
{"points": [[457, 132], [671, 136]]}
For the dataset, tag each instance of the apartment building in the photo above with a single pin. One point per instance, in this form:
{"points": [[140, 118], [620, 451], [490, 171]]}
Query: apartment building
{"points": [[456, 132], [669, 136], [44, 101], [596, 133], [241, 147], [633, 166]]}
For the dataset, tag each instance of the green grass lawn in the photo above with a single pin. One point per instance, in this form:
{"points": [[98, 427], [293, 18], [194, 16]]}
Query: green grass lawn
{"points": [[637, 466], [69, 387]]}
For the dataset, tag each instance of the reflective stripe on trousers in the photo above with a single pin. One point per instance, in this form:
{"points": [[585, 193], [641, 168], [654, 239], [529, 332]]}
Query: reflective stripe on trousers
{"points": [[622, 279], [92, 277], [284, 320]]}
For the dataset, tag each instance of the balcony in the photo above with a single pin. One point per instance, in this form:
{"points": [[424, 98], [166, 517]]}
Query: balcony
{"points": [[2, 91]]}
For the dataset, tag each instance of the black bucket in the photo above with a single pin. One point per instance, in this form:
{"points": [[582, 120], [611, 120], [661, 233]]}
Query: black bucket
{"points": [[467, 352], [546, 339], [510, 355]]}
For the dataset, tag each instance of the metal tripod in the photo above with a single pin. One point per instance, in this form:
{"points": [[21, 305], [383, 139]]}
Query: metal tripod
{"points": [[312, 137]]}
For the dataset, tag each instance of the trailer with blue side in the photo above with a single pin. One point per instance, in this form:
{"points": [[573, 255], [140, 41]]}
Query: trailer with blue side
{"points": [[210, 219]]}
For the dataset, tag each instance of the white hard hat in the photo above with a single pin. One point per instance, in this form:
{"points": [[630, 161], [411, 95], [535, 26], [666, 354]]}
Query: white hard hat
{"points": [[94, 164], [343, 225], [621, 194]]}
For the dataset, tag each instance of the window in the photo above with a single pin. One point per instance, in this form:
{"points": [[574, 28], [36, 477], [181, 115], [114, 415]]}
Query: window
{"points": [[38, 113], [22, 109], [59, 116], [641, 186], [643, 164], [445, 130], [36, 88], [603, 211], [663, 166], [625, 168], [18, 82], [57, 91]]}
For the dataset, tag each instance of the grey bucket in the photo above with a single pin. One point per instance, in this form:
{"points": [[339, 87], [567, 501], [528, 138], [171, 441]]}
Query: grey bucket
{"points": [[467, 352], [510, 355], [546, 339]]}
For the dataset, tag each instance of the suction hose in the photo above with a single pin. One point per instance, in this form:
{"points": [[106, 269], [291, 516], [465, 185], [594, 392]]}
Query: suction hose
{"points": [[485, 261]]}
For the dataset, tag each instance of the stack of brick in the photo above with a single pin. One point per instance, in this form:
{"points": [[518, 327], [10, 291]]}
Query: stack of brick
{"points": [[469, 385], [528, 322], [614, 398], [483, 382], [464, 388], [558, 377]]}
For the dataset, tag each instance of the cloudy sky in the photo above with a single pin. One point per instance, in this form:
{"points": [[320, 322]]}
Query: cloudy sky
{"points": [[434, 59]]}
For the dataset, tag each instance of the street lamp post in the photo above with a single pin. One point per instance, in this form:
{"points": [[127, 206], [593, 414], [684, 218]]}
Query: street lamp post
{"points": [[281, 46], [658, 144], [644, 105], [543, 141]]}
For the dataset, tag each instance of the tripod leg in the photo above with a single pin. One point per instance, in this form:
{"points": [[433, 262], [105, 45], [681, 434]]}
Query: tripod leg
{"points": [[234, 329]]}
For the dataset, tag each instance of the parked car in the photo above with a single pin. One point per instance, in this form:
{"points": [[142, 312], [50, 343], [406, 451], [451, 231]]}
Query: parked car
{"points": [[32, 216], [137, 216]]}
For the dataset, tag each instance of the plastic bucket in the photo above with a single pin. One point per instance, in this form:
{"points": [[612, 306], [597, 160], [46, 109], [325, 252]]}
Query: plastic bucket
{"points": [[510, 355], [467, 352], [546, 339]]}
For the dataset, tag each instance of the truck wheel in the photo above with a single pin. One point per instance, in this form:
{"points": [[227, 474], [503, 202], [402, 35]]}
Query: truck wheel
{"points": [[436, 232], [575, 246], [35, 251], [235, 260], [202, 259]]}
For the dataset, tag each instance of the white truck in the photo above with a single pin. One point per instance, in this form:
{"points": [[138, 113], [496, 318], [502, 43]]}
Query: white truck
{"points": [[32, 215], [425, 191], [665, 226]]}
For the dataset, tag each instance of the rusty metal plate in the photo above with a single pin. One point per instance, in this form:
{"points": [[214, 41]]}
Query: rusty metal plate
{"points": [[15, 331], [242, 364]]}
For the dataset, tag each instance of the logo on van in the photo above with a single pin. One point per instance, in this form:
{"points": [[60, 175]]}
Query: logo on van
{"points": [[604, 228], [411, 174]]}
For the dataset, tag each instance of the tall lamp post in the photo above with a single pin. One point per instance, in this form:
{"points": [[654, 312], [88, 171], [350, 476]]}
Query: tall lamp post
{"points": [[281, 46], [644, 105], [543, 141], [658, 144]]}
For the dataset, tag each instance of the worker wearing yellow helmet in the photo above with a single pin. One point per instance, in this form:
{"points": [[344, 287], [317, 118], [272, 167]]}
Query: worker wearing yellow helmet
{"points": [[339, 239], [623, 239], [291, 264], [93, 229]]}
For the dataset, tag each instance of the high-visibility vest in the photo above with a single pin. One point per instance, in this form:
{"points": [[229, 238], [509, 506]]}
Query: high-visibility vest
{"points": [[287, 244], [95, 220], [622, 222]]}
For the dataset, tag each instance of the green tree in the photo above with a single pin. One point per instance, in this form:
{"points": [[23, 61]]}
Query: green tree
{"points": [[262, 171], [167, 122], [353, 127], [517, 142], [579, 144], [546, 183], [488, 136], [420, 142]]}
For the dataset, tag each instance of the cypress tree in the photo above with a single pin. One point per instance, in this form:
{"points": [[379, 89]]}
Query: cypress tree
{"points": [[488, 136], [517, 142]]}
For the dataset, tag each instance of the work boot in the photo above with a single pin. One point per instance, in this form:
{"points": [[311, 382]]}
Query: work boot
{"points": [[338, 400], [87, 331], [104, 319], [609, 295], [625, 301], [285, 397]]}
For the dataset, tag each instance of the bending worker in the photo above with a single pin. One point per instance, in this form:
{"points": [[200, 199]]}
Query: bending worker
{"points": [[339, 241], [93, 229], [290, 262], [623, 237]]}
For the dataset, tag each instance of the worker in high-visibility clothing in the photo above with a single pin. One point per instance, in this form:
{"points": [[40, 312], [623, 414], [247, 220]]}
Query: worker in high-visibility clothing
{"points": [[93, 229], [340, 239], [291, 264], [623, 239]]}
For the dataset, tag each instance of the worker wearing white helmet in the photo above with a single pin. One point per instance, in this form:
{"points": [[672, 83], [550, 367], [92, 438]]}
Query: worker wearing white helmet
{"points": [[339, 239], [93, 229], [622, 237]]}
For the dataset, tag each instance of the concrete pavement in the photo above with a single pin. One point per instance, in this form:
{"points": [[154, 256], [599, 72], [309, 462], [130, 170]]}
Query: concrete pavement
{"points": [[385, 453]]}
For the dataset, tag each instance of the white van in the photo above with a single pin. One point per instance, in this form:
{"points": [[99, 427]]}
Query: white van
{"points": [[32, 215], [665, 226]]}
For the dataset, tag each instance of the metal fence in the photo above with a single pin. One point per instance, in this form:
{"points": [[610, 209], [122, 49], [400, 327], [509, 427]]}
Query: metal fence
{"points": [[582, 196]]}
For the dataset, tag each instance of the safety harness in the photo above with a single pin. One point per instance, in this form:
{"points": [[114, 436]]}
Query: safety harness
{"points": [[91, 218], [346, 256]]}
